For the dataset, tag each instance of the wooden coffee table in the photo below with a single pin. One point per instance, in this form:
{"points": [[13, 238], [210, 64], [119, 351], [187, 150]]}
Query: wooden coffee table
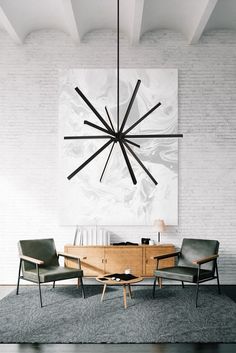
{"points": [[112, 282]]}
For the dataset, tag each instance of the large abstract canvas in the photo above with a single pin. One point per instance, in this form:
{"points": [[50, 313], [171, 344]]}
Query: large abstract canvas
{"points": [[84, 200]]}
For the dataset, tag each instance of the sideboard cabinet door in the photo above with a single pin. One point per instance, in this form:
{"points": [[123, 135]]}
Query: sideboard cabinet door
{"points": [[150, 263], [118, 259], [91, 259]]}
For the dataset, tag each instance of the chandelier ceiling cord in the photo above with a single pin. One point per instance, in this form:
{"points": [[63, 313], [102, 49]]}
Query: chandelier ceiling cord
{"points": [[120, 135]]}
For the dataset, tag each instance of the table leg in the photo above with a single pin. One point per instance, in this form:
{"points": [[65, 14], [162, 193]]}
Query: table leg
{"points": [[125, 299], [159, 280], [130, 293], [103, 292]]}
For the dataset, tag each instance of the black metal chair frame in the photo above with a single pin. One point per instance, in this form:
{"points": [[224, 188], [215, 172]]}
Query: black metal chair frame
{"points": [[39, 263], [198, 262]]}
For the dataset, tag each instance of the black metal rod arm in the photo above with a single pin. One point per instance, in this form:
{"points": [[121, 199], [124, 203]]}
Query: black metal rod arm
{"points": [[142, 165], [131, 143], [128, 163], [154, 136], [86, 122], [142, 118], [90, 159], [107, 161], [130, 105], [109, 119], [87, 137], [89, 104]]}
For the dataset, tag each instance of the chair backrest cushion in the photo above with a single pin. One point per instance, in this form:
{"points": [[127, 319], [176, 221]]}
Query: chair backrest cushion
{"points": [[41, 249], [194, 249]]}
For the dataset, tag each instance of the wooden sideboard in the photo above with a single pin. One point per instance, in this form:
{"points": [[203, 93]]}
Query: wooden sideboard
{"points": [[97, 260]]}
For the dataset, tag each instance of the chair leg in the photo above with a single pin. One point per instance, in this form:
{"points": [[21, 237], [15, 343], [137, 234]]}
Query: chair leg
{"points": [[40, 294], [154, 287], [197, 293], [53, 285], [197, 282], [82, 287], [182, 284], [18, 280], [217, 277]]}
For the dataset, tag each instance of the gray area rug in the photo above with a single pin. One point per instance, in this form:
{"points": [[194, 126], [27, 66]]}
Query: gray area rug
{"points": [[67, 318]]}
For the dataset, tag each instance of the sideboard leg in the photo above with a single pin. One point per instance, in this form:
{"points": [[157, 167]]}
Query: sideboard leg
{"points": [[125, 299]]}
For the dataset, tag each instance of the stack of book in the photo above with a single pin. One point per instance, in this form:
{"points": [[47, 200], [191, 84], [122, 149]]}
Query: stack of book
{"points": [[91, 236]]}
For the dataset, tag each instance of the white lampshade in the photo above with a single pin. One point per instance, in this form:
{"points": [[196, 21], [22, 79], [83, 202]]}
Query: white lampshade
{"points": [[159, 225]]}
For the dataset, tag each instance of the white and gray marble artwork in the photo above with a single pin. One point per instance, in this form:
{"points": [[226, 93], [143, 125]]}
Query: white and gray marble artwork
{"points": [[84, 199]]}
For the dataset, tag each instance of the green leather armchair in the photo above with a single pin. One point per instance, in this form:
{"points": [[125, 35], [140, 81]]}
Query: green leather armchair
{"points": [[196, 262], [39, 263]]}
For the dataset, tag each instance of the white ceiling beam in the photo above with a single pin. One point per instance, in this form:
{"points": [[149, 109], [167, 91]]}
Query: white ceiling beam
{"points": [[202, 21], [10, 26], [70, 20], [136, 24]]}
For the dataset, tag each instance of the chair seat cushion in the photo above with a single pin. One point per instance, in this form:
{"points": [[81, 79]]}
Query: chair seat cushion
{"points": [[52, 273], [181, 273]]}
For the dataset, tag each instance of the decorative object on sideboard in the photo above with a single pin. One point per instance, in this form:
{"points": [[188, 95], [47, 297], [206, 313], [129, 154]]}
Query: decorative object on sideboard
{"points": [[118, 134], [145, 241], [125, 243], [91, 235], [159, 226], [77, 235]]}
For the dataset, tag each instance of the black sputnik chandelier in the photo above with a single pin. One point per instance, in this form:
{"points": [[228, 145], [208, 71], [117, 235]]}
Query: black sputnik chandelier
{"points": [[120, 135]]}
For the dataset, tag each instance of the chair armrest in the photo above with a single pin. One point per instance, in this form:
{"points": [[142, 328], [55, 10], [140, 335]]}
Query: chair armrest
{"points": [[204, 260], [165, 256], [71, 256], [32, 260]]}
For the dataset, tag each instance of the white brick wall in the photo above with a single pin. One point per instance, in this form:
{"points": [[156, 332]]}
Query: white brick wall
{"points": [[29, 142]]}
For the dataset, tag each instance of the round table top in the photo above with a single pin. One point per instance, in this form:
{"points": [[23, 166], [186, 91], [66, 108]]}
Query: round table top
{"points": [[114, 282]]}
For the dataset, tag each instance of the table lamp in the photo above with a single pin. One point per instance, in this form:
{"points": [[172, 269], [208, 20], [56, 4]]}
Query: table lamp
{"points": [[159, 225]]}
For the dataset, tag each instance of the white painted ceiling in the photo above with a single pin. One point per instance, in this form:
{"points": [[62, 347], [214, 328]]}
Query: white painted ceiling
{"points": [[77, 17]]}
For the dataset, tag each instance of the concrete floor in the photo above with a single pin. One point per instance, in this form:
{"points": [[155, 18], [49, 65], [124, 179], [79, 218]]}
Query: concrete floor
{"points": [[5, 290]]}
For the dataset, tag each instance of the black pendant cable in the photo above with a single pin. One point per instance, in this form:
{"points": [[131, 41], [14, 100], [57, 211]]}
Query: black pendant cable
{"points": [[118, 135], [118, 64]]}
